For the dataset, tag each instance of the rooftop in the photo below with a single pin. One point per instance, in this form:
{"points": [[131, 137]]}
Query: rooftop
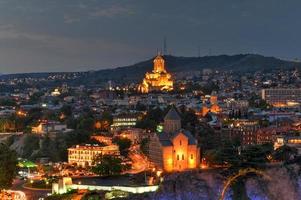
{"points": [[172, 115]]}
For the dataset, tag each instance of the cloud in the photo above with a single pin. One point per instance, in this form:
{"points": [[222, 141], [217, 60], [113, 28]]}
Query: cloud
{"points": [[68, 19], [109, 12]]}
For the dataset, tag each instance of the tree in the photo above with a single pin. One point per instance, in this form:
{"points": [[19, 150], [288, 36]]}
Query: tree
{"points": [[144, 145], [146, 124], [35, 97], [207, 137], [124, 145], [8, 162], [189, 119], [31, 143], [106, 116], [256, 155], [285, 153], [7, 102], [66, 110], [86, 124], [106, 165], [151, 119]]}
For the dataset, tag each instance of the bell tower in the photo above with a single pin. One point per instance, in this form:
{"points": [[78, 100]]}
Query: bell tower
{"points": [[159, 64], [172, 121]]}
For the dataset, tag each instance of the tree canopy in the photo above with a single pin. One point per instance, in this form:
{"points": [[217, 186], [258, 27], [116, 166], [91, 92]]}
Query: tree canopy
{"points": [[8, 162], [106, 165]]}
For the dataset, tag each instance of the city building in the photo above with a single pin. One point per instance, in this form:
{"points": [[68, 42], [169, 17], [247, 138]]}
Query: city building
{"points": [[56, 92], [271, 133], [266, 135], [210, 104], [123, 121], [102, 139], [133, 134], [245, 130], [49, 126], [282, 97], [291, 141], [83, 155], [158, 80], [174, 149]]}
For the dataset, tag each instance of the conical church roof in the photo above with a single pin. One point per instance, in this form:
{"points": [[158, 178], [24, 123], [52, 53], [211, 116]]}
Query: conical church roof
{"points": [[172, 115]]}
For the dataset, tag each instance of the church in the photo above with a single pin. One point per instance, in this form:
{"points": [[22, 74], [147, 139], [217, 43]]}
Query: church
{"points": [[158, 80], [175, 149]]}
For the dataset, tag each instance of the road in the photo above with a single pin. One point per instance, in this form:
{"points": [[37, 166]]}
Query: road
{"points": [[140, 162], [31, 194]]}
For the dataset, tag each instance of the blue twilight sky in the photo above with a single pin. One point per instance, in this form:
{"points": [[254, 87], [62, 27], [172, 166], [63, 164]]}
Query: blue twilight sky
{"points": [[76, 35]]}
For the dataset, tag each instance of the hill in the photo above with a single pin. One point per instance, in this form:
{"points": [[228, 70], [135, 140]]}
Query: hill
{"points": [[240, 63]]}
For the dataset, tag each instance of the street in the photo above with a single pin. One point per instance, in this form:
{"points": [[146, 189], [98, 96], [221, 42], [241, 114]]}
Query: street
{"points": [[31, 194]]}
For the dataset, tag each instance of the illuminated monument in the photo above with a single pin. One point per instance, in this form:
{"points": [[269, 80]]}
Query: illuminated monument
{"points": [[158, 80], [175, 149]]}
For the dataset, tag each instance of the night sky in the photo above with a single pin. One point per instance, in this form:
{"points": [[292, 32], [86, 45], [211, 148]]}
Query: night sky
{"points": [[77, 35]]}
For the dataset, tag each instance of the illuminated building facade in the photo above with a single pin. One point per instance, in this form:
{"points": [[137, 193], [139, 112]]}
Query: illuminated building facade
{"points": [[102, 139], [133, 134], [244, 130], [158, 80], [49, 126], [174, 149], [83, 155], [289, 141], [210, 104], [123, 121], [282, 97]]}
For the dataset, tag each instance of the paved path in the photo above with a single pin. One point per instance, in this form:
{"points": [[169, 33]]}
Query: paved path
{"points": [[140, 162], [31, 194]]}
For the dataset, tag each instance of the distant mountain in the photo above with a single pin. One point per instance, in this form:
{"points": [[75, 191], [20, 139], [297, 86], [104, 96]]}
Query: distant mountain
{"points": [[240, 63]]}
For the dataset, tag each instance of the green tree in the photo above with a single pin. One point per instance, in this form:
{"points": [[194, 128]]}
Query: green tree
{"points": [[106, 165], [256, 155], [7, 102], [106, 116], [8, 162], [124, 145], [66, 110], [152, 118], [207, 137], [144, 145], [285, 153], [146, 124], [35, 97], [31, 143], [86, 124]]}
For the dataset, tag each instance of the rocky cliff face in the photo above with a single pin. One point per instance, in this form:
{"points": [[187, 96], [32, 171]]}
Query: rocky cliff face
{"points": [[284, 183], [190, 185]]}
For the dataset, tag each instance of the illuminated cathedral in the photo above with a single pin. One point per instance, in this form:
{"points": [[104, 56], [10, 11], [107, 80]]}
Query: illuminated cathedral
{"points": [[158, 80], [175, 149]]}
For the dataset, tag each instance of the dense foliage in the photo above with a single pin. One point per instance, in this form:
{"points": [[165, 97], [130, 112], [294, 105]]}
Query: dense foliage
{"points": [[124, 145], [8, 162], [106, 165]]}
